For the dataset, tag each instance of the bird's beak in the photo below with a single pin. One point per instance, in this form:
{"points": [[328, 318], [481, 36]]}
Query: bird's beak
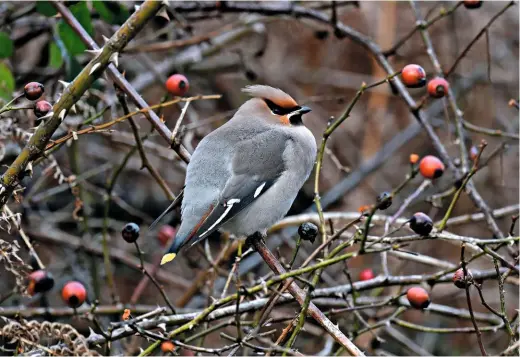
{"points": [[304, 110]]}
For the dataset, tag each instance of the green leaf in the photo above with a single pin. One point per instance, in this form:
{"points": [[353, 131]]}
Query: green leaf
{"points": [[45, 8], [103, 11], [82, 14], [6, 45], [119, 12], [55, 57], [73, 42], [6, 82]]}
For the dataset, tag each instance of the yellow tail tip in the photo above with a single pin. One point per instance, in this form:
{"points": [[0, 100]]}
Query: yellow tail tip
{"points": [[168, 258]]}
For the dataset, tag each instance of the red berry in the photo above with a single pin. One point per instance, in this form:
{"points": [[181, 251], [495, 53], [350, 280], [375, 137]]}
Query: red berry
{"points": [[167, 346], [165, 234], [42, 108], [40, 281], [431, 167], [438, 87], [74, 294], [472, 4], [33, 90], [421, 223], [459, 280], [418, 297], [413, 76], [177, 85], [366, 274]]}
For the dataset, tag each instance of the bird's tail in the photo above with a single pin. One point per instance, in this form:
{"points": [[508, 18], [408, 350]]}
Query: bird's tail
{"points": [[173, 250]]}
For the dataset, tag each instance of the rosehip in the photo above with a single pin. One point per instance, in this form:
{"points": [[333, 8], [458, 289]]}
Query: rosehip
{"points": [[42, 108], [74, 294], [308, 231], [167, 346], [421, 224], [33, 90], [130, 232], [459, 280], [418, 297], [413, 76], [177, 84], [165, 233], [414, 158], [438, 87], [40, 281], [384, 200], [472, 4], [366, 274], [431, 167]]}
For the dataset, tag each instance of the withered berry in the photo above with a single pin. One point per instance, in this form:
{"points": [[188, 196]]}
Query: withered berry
{"points": [[33, 90], [308, 231]]}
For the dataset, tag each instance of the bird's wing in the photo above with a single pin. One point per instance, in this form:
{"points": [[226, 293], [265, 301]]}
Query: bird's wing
{"points": [[256, 165]]}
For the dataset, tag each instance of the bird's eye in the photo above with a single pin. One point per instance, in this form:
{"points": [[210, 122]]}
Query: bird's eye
{"points": [[276, 111]]}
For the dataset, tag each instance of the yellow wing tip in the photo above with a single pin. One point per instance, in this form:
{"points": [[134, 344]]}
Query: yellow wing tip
{"points": [[168, 258]]}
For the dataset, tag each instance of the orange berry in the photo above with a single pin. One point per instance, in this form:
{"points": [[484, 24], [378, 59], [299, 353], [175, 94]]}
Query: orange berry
{"points": [[364, 208], [431, 167], [177, 85], [165, 234], [74, 294], [126, 314], [418, 297], [167, 346], [472, 4], [366, 274], [438, 87], [414, 158], [413, 76]]}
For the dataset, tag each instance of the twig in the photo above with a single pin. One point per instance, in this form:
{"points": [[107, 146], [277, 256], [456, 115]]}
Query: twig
{"points": [[468, 299], [25, 239], [299, 295], [456, 196], [72, 93], [152, 279], [475, 39]]}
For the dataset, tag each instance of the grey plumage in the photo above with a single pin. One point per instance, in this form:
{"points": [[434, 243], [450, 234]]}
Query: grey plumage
{"points": [[244, 176]]}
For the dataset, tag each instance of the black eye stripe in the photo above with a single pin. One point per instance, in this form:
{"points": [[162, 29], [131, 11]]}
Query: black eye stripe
{"points": [[276, 109]]}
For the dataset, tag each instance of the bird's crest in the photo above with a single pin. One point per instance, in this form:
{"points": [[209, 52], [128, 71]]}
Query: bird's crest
{"points": [[278, 96]]}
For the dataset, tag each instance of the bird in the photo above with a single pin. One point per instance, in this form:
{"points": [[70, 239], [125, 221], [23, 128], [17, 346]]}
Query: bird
{"points": [[244, 176]]}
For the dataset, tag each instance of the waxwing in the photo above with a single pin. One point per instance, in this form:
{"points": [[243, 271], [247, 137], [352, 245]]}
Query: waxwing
{"points": [[244, 176]]}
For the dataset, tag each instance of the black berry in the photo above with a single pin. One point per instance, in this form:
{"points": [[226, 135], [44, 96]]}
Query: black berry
{"points": [[130, 232], [421, 224], [308, 231], [384, 200]]}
